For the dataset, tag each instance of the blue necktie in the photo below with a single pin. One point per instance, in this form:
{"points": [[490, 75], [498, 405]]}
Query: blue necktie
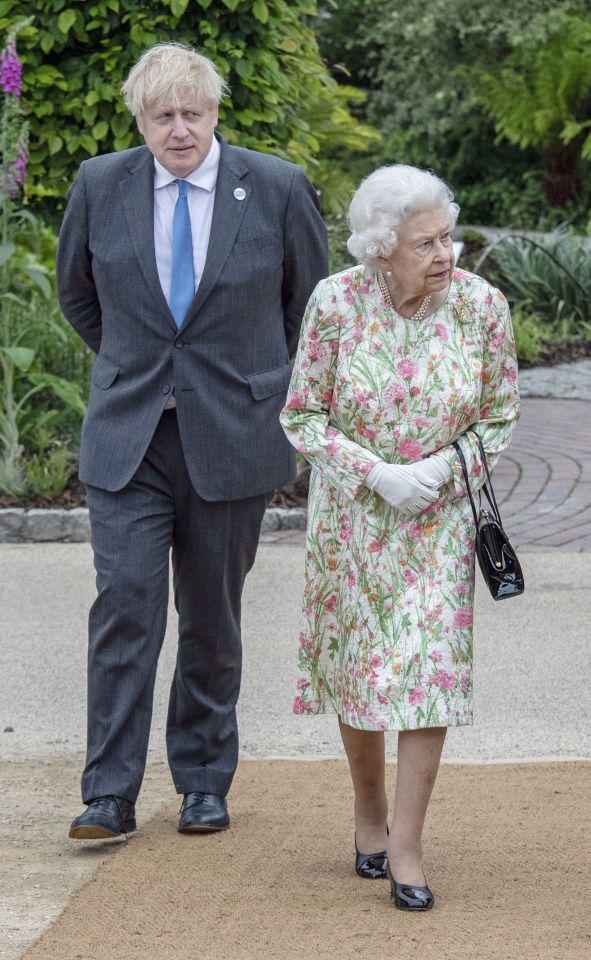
{"points": [[182, 281]]}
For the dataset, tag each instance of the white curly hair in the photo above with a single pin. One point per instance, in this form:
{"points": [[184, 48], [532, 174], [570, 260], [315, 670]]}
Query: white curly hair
{"points": [[384, 200]]}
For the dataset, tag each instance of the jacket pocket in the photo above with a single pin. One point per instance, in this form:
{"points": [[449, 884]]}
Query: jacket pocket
{"points": [[104, 373], [269, 382], [256, 243]]}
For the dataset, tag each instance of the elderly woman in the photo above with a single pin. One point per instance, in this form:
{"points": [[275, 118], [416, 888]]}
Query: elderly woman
{"points": [[399, 357]]}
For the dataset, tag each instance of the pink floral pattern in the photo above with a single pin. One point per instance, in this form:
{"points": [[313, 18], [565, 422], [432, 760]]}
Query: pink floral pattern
{"points": [[386, 630]]}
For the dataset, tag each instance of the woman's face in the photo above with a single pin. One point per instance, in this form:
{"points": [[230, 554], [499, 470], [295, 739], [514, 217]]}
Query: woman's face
{"points": [[423, 261]]}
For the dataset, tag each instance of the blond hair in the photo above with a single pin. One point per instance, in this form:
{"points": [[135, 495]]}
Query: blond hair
{"points": [[165, 72]]}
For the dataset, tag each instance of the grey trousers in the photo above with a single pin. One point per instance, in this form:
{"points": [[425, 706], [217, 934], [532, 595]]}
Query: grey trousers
{"points": [[213, 548]]}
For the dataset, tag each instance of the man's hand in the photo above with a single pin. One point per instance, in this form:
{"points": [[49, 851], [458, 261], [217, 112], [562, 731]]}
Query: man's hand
{"points": [[398, 486]]}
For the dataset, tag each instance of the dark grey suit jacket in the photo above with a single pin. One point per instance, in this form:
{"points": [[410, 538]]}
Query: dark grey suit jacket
{"points": [[229, 362]]}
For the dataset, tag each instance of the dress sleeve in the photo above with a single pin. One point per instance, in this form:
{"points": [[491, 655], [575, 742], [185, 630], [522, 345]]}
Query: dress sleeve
{"points": [[499, 403], [311, 399]]}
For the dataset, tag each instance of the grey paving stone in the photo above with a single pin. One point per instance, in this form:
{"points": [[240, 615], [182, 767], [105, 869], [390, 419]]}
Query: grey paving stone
{"points": [[76, 525], [291, 519], [11, 522], [270, 521], [43, 525], [565, 381]]}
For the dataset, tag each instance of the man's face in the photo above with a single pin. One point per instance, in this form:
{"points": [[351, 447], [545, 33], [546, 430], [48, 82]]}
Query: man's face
{"points": [[179, 136]]}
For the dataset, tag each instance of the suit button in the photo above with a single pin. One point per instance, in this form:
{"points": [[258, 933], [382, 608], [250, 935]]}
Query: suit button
{"points": [[166, 389], [179, 344]]}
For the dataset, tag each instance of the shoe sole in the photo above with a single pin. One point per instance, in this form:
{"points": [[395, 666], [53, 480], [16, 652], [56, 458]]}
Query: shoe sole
{"points": [[203, 829], [413, 909], [97, 833], [402, 906]]}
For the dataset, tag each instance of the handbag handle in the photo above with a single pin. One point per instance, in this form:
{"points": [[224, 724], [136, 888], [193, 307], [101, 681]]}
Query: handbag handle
{"points": [[465, 472], [487, 487]]}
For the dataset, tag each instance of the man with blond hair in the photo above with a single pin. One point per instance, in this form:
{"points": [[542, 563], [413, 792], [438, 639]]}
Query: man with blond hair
{"points": [[185, 265]]}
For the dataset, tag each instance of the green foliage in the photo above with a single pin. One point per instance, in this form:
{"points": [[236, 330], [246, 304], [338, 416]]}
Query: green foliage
{"points": [[48, 470], [337, 140], [59, 350], [549, 279], [283, 99], [540, 93], [540, 96], [32, 396], [27, 300], [528, 335], [338, 231], [421, 64]]}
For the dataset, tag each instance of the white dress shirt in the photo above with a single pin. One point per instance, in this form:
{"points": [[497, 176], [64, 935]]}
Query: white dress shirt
{"points": [[201, 197]]}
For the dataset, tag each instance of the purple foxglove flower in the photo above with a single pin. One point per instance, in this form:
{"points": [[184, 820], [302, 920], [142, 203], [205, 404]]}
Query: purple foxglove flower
{"points": [[11, 72], [17, 172]]}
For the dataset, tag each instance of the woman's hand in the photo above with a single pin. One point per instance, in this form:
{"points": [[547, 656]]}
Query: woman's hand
{"points": [[398, 486], [433, 469]]}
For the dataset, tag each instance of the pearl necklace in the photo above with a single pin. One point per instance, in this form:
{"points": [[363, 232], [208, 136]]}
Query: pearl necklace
{"points": [[423, 306]]}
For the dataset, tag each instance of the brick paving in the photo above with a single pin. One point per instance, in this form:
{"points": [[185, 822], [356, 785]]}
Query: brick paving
{"points": [[542, 482]]}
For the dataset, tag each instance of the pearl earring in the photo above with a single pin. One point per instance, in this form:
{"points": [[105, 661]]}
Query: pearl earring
{"points": [[388, 273]]}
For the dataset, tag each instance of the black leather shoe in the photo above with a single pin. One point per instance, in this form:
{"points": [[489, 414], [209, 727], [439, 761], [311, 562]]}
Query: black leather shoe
{"points": [[407, 897], [203, 813], [104, 818], [371, 866]]}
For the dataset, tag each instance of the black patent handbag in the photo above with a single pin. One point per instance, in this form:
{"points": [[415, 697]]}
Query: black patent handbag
{"points": [[496, 557]]}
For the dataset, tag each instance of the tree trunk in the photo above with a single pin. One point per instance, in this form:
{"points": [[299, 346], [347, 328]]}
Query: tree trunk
{"points": [[562, 182]]}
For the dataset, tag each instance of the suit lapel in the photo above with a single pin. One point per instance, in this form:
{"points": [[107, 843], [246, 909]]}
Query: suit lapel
{"points": [[228, 214], [137, 199]]}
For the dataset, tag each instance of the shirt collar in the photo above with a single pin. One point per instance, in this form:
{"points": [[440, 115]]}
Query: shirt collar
{"points": [[204, 176]]}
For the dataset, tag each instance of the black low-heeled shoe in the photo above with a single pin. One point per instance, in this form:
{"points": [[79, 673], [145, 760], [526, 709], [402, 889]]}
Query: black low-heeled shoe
{"points": [[104, 818], [371, 866], [407, 897], [203, 813]]}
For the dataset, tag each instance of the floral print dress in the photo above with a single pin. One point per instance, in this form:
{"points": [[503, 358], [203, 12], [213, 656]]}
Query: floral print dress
{"points": [[386, 630]]}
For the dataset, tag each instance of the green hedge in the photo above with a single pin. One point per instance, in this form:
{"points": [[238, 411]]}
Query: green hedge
{"points": [[283, 100]]}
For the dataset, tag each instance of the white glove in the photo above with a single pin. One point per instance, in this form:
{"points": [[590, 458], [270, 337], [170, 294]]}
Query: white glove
{"points": [[433, 469], [398, 486]]}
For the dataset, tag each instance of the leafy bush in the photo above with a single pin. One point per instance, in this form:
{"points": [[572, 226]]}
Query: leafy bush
{"points": [[58, 348], [39, 409], [339, 257], [27, 303], [529, 333], [538, 97], [49, 470], [422, 65], [549, 279], [283, 99]]}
